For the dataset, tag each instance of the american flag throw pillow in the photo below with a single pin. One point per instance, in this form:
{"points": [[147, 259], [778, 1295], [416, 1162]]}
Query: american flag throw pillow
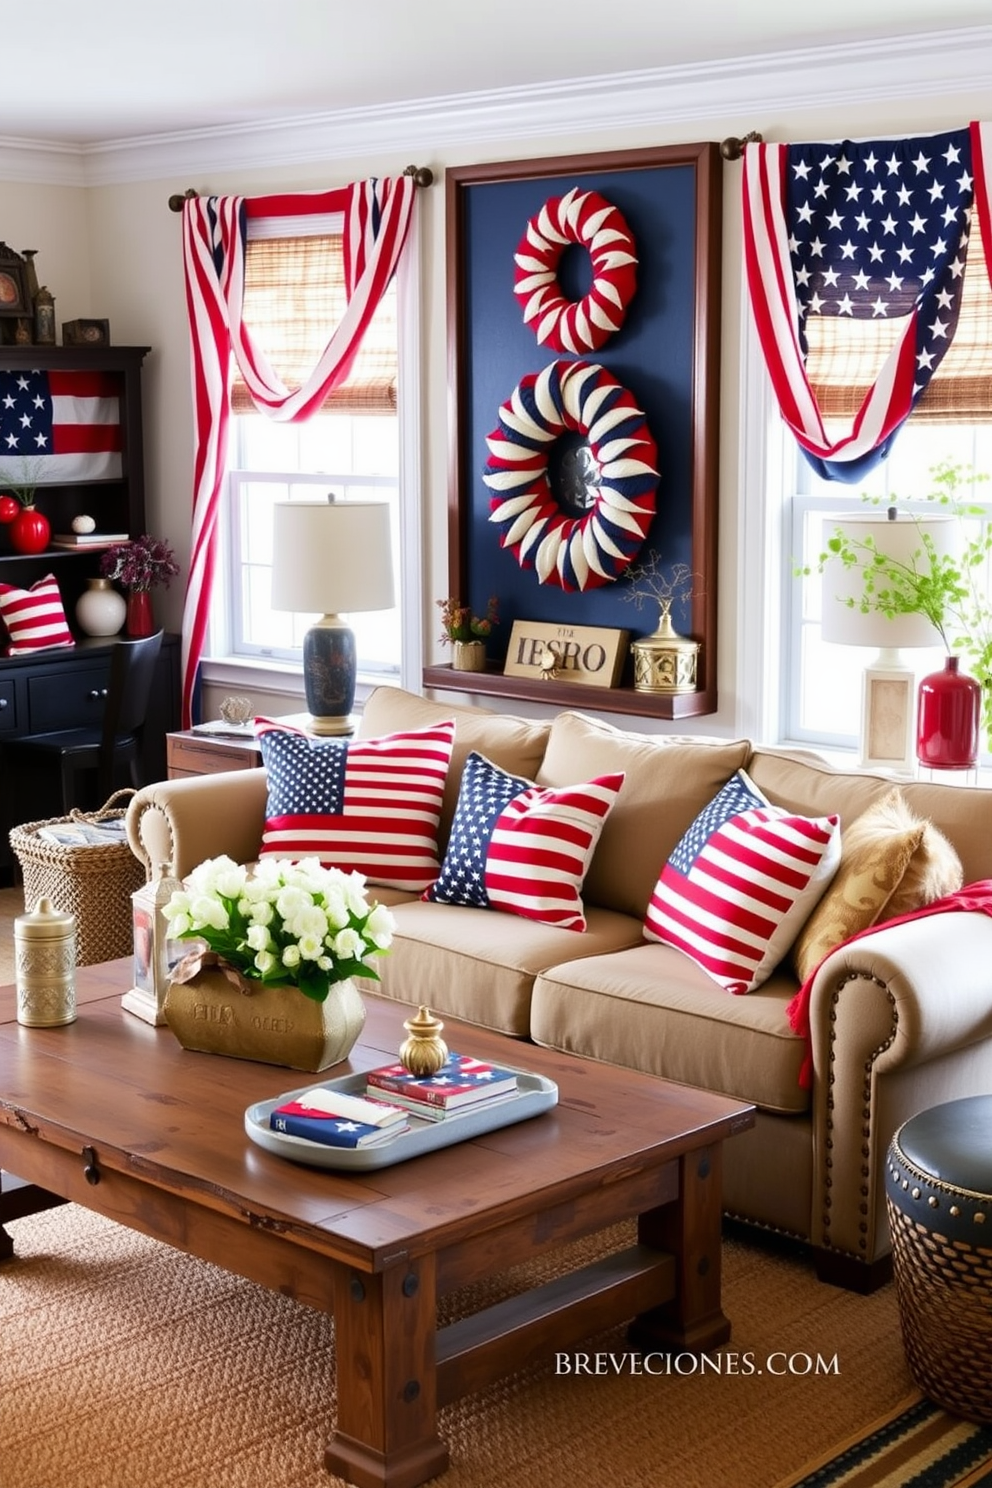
{"points": [[34, 617], [522, 848], [363, 805], [741, 884]]}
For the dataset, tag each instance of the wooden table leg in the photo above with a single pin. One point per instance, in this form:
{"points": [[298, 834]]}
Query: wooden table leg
{"points": [[386, 1433], [690, 1228]]}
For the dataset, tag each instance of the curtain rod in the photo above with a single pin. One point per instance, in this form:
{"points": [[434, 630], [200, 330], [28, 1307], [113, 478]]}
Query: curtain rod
{"points": [[731, 148], [422, 176]]}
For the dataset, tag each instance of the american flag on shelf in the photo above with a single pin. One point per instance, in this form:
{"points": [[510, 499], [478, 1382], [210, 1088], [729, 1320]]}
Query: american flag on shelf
{"points": [[59, 426], [868, 229]]}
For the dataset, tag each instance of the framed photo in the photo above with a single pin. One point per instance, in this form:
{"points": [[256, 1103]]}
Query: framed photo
{"points": [[592, 656], [658, 359], [86, 333], [15, 300], [888, 720]]}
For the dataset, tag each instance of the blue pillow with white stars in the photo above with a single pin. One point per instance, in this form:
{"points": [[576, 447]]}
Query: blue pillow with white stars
{"points": [[522, 848]]}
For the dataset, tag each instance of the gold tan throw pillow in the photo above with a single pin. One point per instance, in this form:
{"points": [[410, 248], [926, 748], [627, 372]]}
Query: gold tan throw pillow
{"points": [[892, 862]]}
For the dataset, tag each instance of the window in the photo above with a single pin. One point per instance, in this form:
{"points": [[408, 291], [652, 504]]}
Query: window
{"points": [[294, 291], [820, 696]]}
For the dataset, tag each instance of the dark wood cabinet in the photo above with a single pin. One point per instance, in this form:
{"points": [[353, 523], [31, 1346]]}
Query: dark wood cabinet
{"points": [[67, 687]]}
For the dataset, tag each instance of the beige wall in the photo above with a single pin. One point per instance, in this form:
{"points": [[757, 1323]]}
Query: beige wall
{"points": [[115, 251]]}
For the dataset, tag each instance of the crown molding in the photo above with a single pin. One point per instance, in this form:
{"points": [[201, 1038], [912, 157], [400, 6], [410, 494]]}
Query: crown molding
{"points": [[747, 88]]}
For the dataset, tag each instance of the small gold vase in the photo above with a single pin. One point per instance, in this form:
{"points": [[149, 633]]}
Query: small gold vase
{"points": [[665, 661], [468, 656]]}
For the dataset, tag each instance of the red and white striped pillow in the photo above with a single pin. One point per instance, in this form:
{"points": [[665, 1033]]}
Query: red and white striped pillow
{"points": [[363, 805], [522, 848], [741, 883], [35, 618]]}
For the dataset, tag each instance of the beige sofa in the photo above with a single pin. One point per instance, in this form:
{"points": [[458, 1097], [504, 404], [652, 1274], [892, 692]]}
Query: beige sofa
{"points": [[900, 1019]]}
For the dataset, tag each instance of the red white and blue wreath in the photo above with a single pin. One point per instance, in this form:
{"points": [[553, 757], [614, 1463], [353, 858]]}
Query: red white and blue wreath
{"points": [[573, 552], [588, 219]]}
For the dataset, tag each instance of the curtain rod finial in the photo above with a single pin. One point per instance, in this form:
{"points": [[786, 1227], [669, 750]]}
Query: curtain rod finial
{"points": [[733, 148], [176, 202], [422, 174]]}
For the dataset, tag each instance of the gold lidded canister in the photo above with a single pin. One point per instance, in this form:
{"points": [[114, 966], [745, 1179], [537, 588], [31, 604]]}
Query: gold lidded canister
{"points": [[45, 961]]}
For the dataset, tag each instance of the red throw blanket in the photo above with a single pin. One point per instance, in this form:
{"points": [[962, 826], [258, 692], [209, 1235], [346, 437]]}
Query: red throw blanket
{"points": [[974, 897]]}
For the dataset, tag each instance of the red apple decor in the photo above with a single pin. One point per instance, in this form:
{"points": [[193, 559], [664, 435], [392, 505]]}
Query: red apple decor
{"points": [[9, 507]]}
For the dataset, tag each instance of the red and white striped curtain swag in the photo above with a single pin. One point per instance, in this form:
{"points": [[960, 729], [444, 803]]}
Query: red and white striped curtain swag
{"points": [[377, 216]]}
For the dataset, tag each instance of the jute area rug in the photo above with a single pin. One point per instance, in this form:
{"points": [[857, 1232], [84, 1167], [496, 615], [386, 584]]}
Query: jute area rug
{"points": [[125, 1364]]}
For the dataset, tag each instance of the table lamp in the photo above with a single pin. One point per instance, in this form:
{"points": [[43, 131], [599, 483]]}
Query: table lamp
{"points": [[888, 695], [331, 558]]}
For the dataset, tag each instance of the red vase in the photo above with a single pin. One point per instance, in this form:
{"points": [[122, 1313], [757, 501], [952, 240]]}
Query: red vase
{"points": [[139, 622], [30, 531], [950, 706]]}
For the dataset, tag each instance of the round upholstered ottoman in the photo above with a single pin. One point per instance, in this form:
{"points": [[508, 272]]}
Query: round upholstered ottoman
{"points": [[938, 1185]]}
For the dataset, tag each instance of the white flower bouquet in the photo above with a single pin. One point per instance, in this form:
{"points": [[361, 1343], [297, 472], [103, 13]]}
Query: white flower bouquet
{"points": [[286, 922]]}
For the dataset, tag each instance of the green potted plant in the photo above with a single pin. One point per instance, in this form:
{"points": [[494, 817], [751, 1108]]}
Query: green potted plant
{"points": [[948, 588], [466, 632]]}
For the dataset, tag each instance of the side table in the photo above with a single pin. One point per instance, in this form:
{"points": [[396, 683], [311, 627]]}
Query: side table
{"points": [[190, 753]]}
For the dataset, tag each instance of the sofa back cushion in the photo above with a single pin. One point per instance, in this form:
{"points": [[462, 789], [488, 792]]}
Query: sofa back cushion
{"points": [[667, 782], [515, 744], [804, 783]]}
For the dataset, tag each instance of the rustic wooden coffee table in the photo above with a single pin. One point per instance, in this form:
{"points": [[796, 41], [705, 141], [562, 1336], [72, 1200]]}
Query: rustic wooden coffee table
{"points": [[111, 1113]]}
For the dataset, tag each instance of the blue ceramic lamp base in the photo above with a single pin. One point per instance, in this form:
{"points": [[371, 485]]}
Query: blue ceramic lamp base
{"points": [[330, 663]]}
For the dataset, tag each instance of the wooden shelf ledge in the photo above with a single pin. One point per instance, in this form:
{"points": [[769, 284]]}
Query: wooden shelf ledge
{"points": [[492, 683]]}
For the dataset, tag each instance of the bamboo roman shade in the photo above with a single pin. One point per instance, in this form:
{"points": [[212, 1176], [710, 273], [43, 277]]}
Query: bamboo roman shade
{"points": [[294, 295], [845, 356]]}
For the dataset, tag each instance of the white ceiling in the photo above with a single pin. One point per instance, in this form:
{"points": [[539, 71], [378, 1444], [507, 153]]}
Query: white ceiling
{"points": [[102, 70]]}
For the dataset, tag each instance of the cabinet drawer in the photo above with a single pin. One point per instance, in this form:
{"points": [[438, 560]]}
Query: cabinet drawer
{"points": [[8, 707], [67, 699], [201, 756]]}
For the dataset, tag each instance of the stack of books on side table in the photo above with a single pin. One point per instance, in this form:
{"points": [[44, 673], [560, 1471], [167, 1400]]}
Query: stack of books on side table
{"points": [[461, 1084], [336, 1119]]}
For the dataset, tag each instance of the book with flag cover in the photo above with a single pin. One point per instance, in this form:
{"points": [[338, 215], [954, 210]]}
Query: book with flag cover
{"points": [[425, 1111], [297, 1119], [461, 1081]]}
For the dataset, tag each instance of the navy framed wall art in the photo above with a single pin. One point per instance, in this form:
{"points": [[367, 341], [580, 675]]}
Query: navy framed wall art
{"points": [[583, 337]]}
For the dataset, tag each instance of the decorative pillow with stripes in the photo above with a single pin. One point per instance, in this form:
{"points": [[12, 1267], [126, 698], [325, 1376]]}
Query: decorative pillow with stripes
{"points": [[741, 883], [368, 806], [35, 618], [522, 848]]}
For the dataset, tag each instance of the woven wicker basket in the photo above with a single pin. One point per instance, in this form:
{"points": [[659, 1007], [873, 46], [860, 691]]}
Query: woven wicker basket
{"points": [[94, 883]]}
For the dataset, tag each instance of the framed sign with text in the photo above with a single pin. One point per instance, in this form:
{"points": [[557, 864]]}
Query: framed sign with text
{"points": [[583, 357], [590, 655]]}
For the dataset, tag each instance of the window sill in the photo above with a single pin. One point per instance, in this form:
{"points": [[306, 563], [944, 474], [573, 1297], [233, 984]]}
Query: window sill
{"points": [[280, 677]]}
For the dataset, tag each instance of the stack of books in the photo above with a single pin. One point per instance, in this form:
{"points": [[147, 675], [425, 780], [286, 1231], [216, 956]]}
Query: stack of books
{"points": [[336, 1119], [460, 1084]]}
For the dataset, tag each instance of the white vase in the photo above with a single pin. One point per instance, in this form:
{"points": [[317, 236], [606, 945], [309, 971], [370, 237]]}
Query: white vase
{"points": [[100, 610]]}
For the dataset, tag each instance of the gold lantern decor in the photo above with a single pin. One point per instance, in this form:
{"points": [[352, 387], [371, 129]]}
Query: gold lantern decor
{"points": [[664, 661]]}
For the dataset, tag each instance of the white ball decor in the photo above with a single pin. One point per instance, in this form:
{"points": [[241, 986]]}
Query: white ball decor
{"points": [[83, 524]]}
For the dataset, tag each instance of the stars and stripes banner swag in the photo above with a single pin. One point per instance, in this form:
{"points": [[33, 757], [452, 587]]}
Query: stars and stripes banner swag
{"points": [[368, 806], [523, 848], [864, 230], [376, 216], [59, 426], [741, 882]]}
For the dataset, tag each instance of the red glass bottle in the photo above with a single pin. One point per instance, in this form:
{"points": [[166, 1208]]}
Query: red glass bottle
{"points": [[950, 706]]}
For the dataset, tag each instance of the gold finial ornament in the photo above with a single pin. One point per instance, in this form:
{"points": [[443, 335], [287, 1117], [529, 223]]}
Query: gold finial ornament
{"points": [[425, 1051]]}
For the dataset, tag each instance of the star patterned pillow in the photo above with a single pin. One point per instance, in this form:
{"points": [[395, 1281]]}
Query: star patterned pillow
{"points": [[522, 848], [741, 883], [368, 806]]}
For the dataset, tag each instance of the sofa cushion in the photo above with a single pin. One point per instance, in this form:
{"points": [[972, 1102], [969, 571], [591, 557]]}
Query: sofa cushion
{"points": [[892, 862], [515, 744], [651, 1008], [522, 848], [481, 966], [35, 618], [741, 882], [666, 784], [368, 806]]}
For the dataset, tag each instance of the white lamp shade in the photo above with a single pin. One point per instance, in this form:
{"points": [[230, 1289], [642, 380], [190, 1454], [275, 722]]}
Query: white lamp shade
{"points": [[899, 538], [332, 557]]}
